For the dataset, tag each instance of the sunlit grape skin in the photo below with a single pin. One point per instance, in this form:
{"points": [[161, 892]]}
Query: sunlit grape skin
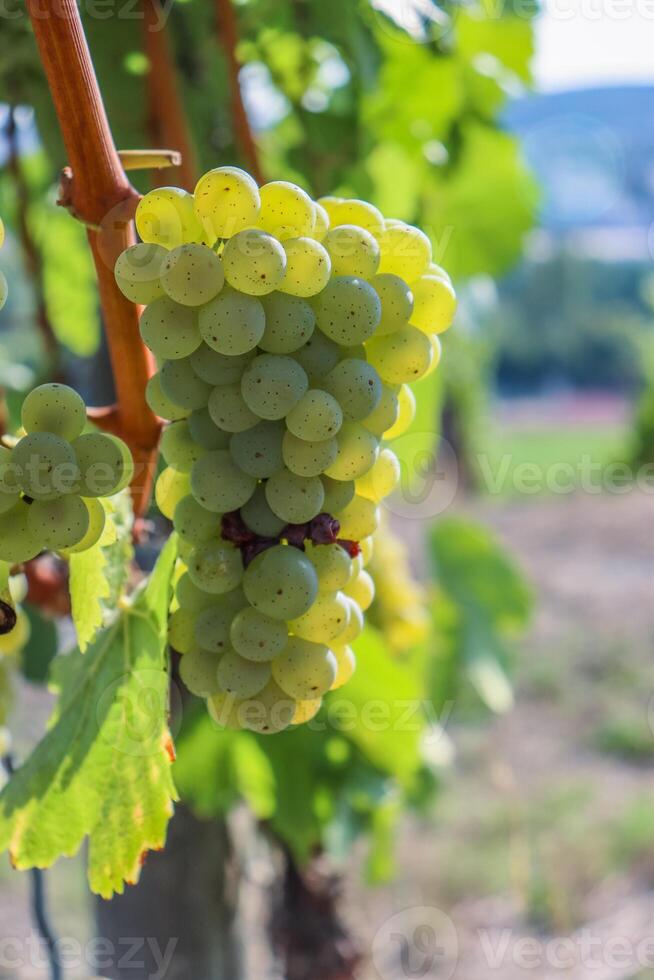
{"points": [[283, 369]]}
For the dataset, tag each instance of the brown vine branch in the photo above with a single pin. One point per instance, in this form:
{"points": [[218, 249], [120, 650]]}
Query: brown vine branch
{"points": [[167, 121], [31, 253], [99, 192], [228, 36]]}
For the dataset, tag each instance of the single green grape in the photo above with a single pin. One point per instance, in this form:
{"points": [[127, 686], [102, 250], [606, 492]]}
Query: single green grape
{"points": [[193, 523], [306, 710], [254, 262], [308, 458], [403, 356], [356, 386], [257, 637], [332, 564], [9, 480], [160, 404], [54, 408], [192, 274], [318, 356], [212, 627], [317, 416], [397, 302], [348, 310], [166, 216], [305, 670], [216, 567], [259, 517], [357, 452], [169, 329], [295, 499], [191, 597], [405, 251], [232, 323], [308, 267], [218, 369], [384, 416], [44, 466], [205, 432], [199, 672], [181, 631], [228, 409], [219, 484], [105, 464], [18, 543], [281, 582], [338, 494], [353, 251], [60, 523], [272, 384], [138, 272], [268, 712], [240, 677], [227, 200], [258, 450], [182, 386], [290, 321], [178, 447], [286, 210]]}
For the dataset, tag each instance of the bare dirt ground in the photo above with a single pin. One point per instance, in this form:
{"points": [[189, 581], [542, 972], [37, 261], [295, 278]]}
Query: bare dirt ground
{"points": [[541, 857]]}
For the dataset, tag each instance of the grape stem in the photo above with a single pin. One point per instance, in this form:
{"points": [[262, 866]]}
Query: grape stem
{"points": [[166, 118], [227, 28], [96, 189]]}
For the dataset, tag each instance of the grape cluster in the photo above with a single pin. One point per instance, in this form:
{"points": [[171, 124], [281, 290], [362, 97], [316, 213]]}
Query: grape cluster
{"points": [[287, 332], [399, 609], [53, 478]]}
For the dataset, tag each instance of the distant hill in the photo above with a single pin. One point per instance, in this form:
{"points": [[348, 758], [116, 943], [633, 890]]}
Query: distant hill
{"points": [[593, 151]]}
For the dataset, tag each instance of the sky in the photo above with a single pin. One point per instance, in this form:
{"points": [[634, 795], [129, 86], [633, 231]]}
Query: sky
{"points": [[582, 43]]}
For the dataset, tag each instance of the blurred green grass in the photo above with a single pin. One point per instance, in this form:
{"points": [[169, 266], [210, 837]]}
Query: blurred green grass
{"points": [[567, 454]]}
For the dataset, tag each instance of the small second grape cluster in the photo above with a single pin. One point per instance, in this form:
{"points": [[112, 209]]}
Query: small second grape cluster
{"points": [[287, 332], [53, 478]]}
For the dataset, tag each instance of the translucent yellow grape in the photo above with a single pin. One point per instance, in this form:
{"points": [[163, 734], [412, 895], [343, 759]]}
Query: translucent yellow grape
{"points": [[308, 267], [359, 519], [403, 356], [381, 480], [353, 212], [170, 488], [362, 590], [406, 414], [166, 216], [346, 665], [254, 262], [435, 304], [321, 222], [405, 252], [226, 201], [286, 210], [353, 251]]}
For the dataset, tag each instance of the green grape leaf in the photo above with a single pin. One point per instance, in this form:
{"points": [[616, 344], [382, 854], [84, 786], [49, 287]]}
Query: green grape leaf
{"points": [[98, 576], [385, 696], [103, 770], [41, 648]]}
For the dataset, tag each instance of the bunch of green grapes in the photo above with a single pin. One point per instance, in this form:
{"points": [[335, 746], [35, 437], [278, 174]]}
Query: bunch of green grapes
{"points": [[399, 609], [4, 287], [53, 479], [287, 333]]}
